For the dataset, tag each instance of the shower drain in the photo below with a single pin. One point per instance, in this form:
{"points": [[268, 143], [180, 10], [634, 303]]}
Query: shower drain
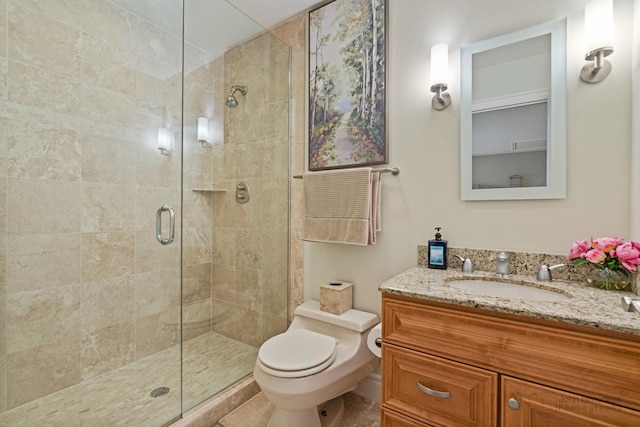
{"points": [[159, 391]]}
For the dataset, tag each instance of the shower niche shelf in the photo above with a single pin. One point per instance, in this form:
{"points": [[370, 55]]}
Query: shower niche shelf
{"points": [[209, 190]]}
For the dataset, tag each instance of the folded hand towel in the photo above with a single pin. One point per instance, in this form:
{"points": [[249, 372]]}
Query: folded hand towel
{"points": [[375, 223], [338, 206]]}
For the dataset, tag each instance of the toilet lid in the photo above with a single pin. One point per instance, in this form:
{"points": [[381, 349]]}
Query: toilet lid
{"points": [[297, 350]]}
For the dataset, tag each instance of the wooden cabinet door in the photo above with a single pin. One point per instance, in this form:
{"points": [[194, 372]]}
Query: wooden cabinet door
{"points": [[393, 419], [437, 391], [533, 405]]}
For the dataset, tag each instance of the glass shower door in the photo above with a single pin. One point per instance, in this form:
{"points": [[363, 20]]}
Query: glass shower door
{"points": [[235, 195], [89, 298]]}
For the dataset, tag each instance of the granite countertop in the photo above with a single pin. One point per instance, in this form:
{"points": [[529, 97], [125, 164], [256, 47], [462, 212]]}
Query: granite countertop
{"points": [[588, 306]]}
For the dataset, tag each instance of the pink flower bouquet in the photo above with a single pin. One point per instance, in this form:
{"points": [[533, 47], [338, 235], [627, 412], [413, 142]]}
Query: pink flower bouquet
{"points": [[616, 259]]}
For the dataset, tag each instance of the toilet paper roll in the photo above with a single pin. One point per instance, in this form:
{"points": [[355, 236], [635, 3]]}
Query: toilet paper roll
{"points": [[375, 333]]}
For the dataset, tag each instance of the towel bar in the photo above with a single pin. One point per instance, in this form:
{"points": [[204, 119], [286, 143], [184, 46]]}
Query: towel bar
{"points": [[394, 171]]}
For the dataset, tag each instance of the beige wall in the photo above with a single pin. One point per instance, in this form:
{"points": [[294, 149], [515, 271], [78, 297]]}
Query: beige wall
{"points": [[635, 151], [424, 144]]}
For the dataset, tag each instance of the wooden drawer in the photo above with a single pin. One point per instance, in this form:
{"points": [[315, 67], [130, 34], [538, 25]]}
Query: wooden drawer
{"points": [[393, 419], [544, 406], [601, 366], [407, 374]]}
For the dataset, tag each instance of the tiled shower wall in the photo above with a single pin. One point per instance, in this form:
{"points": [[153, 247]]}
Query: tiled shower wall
{"points": [[84, 286], [251, 240], [197, 205], [293, 33]]}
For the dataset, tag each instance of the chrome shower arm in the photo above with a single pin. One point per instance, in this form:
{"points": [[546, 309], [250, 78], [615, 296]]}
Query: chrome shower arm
{"points": [[235, 88]]}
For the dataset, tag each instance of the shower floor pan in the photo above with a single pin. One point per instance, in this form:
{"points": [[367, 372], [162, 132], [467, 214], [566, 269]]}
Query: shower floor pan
{"points": [[122, 397]]}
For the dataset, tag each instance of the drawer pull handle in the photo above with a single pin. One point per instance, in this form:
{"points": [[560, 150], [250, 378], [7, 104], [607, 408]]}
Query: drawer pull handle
{"points": [[434, 393]]}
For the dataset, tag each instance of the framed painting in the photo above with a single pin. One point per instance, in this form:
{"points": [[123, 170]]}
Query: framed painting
{"points": [[347, 81]]}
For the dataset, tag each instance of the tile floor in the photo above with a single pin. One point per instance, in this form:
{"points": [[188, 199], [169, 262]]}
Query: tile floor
{"points": [[121, 397], [358, 412]]}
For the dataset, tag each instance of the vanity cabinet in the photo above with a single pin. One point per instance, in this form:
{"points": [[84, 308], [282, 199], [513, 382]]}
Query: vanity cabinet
{"points": [[545, 406], [449, 365]]}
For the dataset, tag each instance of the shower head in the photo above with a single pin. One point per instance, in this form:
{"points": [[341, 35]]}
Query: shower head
{"points": [[232, 102]]}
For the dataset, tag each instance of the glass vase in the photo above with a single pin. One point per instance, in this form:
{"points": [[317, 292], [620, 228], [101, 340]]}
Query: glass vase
{"points": [[615, 279]]}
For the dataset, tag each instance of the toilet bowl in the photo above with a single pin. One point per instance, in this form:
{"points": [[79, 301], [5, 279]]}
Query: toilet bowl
{"points": [[306, 369]]}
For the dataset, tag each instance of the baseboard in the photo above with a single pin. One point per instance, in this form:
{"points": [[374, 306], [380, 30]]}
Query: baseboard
{"points": [[370, 387]]}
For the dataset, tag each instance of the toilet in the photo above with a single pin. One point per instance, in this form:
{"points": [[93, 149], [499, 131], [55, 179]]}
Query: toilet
{"points": [[305, 370]]}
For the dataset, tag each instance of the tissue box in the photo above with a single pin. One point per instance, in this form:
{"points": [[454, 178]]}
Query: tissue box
{"points": [[336, 297]]}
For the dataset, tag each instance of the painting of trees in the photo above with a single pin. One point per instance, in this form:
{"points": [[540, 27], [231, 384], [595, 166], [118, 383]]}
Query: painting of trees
{"points": [[347, 84]]}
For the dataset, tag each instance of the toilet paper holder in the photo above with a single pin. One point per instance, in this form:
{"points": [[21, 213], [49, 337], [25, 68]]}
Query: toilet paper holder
{"points": [[374, 340]]}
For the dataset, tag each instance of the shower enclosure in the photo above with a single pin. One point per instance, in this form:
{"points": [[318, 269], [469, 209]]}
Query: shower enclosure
{"points": [[102, 320]]}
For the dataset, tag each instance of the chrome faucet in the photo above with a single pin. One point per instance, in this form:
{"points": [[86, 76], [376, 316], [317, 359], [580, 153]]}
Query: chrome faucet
{"points": [[544, 272], [631, 304], [467, 265], [502, 264]]}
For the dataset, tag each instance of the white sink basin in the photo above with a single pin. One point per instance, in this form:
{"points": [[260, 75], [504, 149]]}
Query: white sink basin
{"points": [[493, 288]]}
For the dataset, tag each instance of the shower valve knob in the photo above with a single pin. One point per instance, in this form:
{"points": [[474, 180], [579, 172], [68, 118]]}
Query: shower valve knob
{"points": [[242, 193]]}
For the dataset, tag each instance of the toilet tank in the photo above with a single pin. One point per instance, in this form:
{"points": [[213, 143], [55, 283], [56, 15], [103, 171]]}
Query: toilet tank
{"points": [[352, 319]]}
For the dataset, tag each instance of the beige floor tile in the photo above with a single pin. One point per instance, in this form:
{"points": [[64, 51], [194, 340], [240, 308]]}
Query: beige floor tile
{"points": [[122, 397], [358, 412]]}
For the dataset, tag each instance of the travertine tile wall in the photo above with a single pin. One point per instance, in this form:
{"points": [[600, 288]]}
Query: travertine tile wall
{"points": [[197, 205], [3, 206], [84, 286], [293, 33], [250, 246]]}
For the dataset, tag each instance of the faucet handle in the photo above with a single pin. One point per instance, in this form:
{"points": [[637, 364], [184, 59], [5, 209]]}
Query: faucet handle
{"points": [[544, 272], [627, 303], [502, 264], [467, 265], [630, 304]]}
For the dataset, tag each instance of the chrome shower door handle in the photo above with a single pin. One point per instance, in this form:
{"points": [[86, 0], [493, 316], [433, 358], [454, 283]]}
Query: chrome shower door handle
{"points": [[172, 224]]}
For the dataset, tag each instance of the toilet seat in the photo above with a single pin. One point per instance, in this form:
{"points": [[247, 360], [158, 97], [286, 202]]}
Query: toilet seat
{"points": [[297, 353]]}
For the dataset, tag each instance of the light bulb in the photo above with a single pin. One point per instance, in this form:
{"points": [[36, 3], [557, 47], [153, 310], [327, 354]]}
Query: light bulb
{"points": [[203, 129], [439, 64], [598, 24], [164, 141]]}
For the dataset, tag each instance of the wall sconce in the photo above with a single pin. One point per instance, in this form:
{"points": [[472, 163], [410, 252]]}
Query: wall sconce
{"points": [[598, 28], [203, 130], [164, 141], [439, 76]]}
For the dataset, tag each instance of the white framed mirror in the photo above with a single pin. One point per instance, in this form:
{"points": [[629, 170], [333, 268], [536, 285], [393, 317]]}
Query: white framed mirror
{"points": [[513, 115]]}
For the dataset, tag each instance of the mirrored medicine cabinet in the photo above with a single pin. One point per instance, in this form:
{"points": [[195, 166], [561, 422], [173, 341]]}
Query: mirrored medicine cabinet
{"points": [[513, 115]]}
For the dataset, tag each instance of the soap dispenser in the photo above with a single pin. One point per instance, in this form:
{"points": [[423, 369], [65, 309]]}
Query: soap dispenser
{"points": [[437, 252]]}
